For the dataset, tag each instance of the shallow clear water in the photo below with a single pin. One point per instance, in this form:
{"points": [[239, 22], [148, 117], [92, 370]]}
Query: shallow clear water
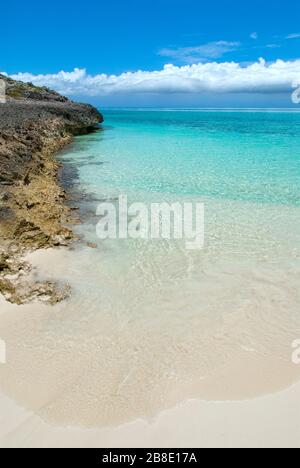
{"points": [[150, 324], [233, 156]]}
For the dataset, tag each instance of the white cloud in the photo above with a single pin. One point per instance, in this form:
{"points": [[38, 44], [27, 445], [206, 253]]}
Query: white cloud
{"points": [[254, 35], [201, 53], [227, 77], [293, 36]]}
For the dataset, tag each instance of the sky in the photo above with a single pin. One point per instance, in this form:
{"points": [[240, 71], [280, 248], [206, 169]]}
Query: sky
{"points": [[221, 53]]}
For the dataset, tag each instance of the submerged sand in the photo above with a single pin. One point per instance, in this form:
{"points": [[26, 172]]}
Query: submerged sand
{"points": [[151, 326], [84, 363]]}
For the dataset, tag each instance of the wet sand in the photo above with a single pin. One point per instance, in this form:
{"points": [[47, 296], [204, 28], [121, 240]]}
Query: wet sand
{"points": [[269, 422], [83, 373]]}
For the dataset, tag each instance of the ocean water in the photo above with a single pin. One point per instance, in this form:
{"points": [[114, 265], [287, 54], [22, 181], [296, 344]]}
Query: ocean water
{"points": [[242, 156], [149, 323]]}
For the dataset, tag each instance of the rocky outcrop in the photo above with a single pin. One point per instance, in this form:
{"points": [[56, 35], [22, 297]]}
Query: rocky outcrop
{"points": [[34, 124]]}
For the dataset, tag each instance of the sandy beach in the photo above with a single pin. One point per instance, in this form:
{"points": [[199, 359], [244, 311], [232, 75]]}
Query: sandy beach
{"points": [[46, 402], [139, 341], [268, 422]]}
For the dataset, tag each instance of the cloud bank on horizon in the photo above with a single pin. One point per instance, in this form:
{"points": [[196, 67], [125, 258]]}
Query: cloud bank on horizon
{"points": [[212, 77]]}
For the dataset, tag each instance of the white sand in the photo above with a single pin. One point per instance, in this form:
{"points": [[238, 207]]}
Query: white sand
{"points": [[64, 363], [268, 422]]}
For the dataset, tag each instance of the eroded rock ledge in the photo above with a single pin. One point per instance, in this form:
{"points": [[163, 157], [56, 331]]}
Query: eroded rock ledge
{"points": [[34, 124]]}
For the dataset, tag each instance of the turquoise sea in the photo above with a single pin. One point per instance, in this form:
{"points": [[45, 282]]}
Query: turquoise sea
{"points": [[150, 324], [229, 155]]}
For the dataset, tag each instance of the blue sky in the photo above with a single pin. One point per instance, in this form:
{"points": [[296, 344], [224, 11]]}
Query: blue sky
{"points": [[126, 36]]}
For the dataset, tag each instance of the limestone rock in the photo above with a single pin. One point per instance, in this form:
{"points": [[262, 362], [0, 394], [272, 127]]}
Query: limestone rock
{"points": [[35, 123]]}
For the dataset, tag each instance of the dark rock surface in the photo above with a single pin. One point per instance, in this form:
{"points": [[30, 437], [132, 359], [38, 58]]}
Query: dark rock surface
{"points": [[34, 124]]}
